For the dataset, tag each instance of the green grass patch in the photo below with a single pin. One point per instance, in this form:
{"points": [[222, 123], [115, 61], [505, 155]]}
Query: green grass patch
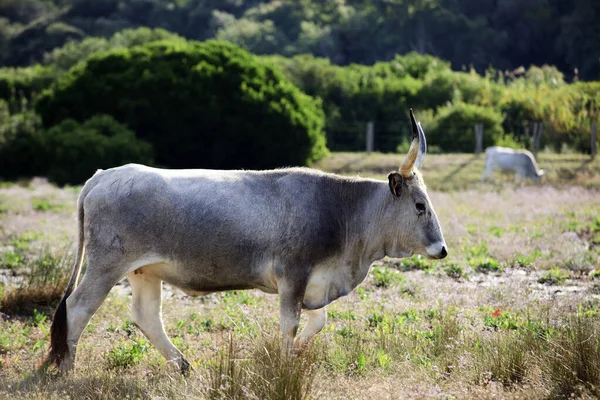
{"points": [[454, 271], [46, 205], [555, 276], [384, 277], [486, 265], [127, 354]]}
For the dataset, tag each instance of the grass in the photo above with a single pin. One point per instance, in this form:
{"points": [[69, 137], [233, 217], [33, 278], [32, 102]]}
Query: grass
{"points": [[41, 287], [449, 172], [475, 325], [555, 276]]}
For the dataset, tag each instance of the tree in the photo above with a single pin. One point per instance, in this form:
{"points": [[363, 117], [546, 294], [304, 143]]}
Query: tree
{"points": [[207, 104]]}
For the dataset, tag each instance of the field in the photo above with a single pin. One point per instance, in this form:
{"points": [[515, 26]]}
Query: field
{"points": [[512, 313]]}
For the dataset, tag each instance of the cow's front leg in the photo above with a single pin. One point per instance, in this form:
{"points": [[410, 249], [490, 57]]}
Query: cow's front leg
{"points": [[291, 294], [316, 322]]}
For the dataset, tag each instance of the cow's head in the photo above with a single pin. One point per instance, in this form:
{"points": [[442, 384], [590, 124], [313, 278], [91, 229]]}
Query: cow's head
{"points": [[417, 228], [539, 175]]}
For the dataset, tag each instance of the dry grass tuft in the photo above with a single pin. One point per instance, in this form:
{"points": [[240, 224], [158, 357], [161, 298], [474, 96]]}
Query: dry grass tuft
{"points": [[573, 365], [42, 287], [267, 372]]}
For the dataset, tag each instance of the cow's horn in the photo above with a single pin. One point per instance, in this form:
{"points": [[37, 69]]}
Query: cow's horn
{"points": [[417, 150]]}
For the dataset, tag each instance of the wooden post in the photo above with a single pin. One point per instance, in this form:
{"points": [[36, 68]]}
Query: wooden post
{"points": [[594, 140], [537, 135], [478, 139], [370, 137]]}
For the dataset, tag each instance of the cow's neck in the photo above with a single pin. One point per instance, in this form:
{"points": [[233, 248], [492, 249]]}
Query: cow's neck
{"points": [[366, 239]]}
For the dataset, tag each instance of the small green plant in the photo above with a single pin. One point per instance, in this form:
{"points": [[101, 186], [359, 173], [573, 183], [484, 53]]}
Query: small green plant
{"points": [[501, 320], [416, 262], [526, 260], [45, 205], [594, 274], [454, 271], [486, 265], [384, 277], [12, 260], [555, 276], [127, 354], [496, 231]]}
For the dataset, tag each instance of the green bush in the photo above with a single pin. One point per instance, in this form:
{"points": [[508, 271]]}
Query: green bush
{"points": [[20, 144], [453, 127], [18, 85], [207, 104], [75, 151]]}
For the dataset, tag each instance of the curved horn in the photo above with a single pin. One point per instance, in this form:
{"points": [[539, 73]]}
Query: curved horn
{"points": [[409, 161], [422, 147]]}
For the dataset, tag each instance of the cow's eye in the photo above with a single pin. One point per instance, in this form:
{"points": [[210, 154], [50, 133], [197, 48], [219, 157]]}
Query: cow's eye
{"points": [[420, 207]]}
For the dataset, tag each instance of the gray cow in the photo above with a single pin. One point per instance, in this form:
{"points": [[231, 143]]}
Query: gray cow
{"points": [[521, 162], [307, 235]]}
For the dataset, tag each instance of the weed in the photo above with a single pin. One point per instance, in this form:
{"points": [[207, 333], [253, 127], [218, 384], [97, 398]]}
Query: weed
{"points": [[486, 265], [12, 260], [342, 315], [501, 320], [127, 354], [498, 232], [555, 276], [45, 205], [454, 271], [416, 262], [384, 277], [526, 260]]}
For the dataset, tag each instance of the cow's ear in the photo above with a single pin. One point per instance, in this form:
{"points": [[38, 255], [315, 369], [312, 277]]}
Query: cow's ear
{"points": [[396, 181]]}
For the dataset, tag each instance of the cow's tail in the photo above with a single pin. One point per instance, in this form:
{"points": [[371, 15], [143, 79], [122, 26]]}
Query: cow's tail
{"points": [[59, 330]]}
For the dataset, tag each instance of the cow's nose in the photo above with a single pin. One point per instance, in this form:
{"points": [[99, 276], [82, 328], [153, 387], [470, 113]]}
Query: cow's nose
{"points": [[443, 253]]}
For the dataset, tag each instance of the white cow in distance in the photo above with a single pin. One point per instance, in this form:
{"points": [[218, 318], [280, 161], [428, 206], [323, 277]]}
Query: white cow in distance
{"points": [[521, 162]]}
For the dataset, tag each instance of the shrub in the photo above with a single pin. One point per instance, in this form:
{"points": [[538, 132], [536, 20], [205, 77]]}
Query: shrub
{"points": [[207, 104], [20, 144], [75, 151], [453, 127]]}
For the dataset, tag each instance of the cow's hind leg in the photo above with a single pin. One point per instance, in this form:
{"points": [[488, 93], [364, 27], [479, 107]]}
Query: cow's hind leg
{"points": [[316, 322], [146, 305], [82, 304]]}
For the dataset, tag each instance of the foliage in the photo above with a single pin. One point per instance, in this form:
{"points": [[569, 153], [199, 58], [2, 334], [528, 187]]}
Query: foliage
{"points": [[42, 287], [346, 32], [20, 144], [554, 276], [452, 127], [75, 151], [129, 354], [205, 104]]}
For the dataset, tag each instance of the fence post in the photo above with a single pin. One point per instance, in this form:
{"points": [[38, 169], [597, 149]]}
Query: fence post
{"points": [[594, 139], [537, 135], [478, 139], [370, 138]]}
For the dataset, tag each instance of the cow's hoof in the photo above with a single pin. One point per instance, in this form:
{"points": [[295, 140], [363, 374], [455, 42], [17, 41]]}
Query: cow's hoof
{"points": [[185, 367]]}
